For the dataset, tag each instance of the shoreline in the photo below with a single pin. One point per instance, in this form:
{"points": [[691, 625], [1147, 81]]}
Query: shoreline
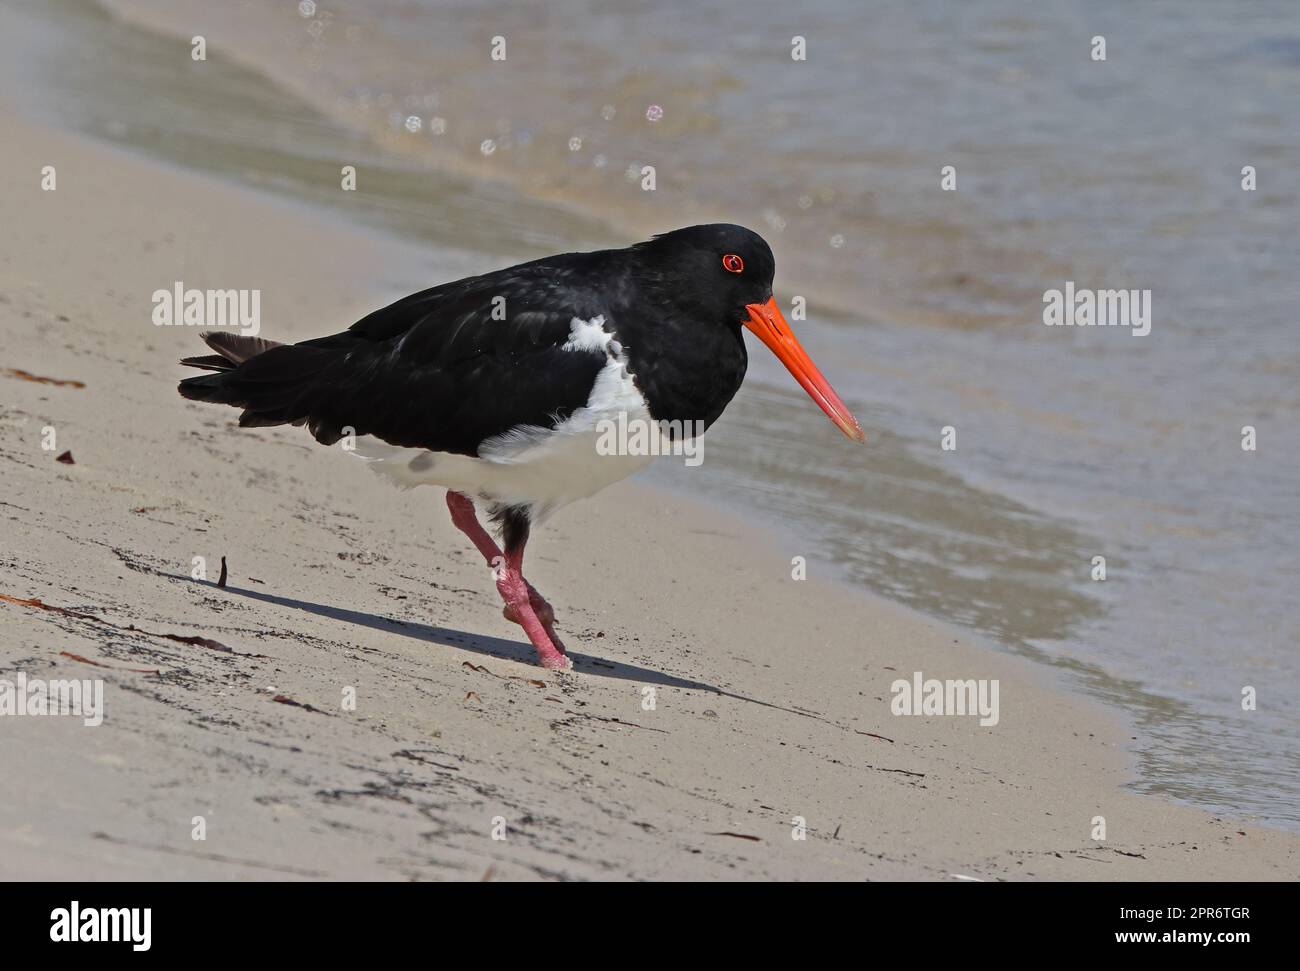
{"points": [[300, 69], [772, 694]]}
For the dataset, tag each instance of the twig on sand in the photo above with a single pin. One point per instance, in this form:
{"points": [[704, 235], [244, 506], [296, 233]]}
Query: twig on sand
{"points": [[919, 775], [22, 375], [482, 669], [874, 735], [615, 721], [286, 700], [111, 667], [36, 604]]}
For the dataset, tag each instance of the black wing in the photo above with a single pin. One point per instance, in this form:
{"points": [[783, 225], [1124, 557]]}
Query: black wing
{"points": [[443, 369]]}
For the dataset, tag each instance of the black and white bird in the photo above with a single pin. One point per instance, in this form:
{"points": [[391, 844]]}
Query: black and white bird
{"points": [[498, 387]]}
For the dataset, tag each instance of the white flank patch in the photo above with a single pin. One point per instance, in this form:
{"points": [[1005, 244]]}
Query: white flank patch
{"points": [[588, 335], [544, 468]]}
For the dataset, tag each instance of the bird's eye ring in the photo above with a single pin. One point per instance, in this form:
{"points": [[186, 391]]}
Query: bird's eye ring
{"points": [[733, 263]]}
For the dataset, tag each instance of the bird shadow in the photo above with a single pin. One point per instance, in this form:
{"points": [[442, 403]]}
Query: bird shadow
{"points": [[484, 644], [496, 647]]}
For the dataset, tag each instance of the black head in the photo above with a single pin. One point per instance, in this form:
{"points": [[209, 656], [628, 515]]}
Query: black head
{"points": [[721, 275], [716, 269]]}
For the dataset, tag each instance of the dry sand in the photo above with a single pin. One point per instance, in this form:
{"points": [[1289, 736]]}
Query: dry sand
{"points": [[771, 695]]}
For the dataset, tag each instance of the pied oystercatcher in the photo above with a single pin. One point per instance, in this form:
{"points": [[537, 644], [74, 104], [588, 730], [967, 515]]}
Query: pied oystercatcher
{"points": [[497, 387]]}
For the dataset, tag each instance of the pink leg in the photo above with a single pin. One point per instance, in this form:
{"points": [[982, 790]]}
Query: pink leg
{"points": [[523, 605], [514, 591], [466, 520]]}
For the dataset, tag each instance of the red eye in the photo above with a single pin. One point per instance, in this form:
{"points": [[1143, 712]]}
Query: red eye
{"points": [[733, 263]]}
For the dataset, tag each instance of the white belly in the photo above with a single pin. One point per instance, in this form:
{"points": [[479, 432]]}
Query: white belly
{"points": [[530, 466]]}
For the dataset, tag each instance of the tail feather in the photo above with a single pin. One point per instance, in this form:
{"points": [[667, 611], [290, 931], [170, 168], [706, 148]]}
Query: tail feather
{"points": [[236, 348], [208, 362], [232, 351], [274, 384]]}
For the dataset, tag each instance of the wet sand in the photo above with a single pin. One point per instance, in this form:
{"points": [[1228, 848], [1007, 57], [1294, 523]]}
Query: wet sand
{"points": [[771, 695]]}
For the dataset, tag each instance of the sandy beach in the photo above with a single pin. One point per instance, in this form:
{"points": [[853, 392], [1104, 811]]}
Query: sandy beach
{"points": [[771, 696]]}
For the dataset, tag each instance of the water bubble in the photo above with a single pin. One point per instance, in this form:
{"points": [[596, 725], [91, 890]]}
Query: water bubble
{"points": [[575, 144], [316, 28], [607, 112], [307, 8], [413, 123], [805, 202], [632, 172], [487, 146], [774, 219], [600, 161], [437, 126], [654, 113], [837, 240]]}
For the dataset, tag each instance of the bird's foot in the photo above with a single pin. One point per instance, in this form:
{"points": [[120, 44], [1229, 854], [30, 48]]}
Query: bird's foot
{"points": [[526, 607], [555, 640], [545, 613], [555, 662], [550, 649]]}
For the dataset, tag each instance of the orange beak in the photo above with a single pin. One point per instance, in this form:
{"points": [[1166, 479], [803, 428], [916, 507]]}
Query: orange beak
{"points": [[766, 321]]}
